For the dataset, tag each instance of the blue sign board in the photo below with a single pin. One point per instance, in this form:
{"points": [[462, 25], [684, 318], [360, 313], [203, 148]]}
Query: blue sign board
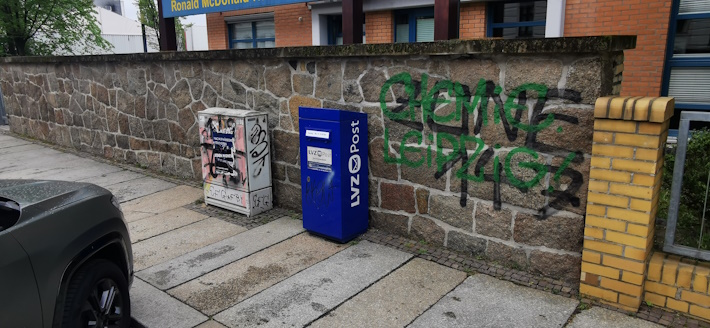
{"points": [[175, 8]]}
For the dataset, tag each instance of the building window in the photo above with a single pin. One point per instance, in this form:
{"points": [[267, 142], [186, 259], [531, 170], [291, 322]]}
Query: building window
{"points": [[254, 34], [414, 25], [335, 29], [687, 70], [515, 20]]}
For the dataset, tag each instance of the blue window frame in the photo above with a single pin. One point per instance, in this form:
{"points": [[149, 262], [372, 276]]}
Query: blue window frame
{"points": [[515, 20], [686, 74], [414, 25], [252, 34]]}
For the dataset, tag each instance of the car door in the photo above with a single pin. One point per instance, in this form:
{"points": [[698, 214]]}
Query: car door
{"points": [[19, 298]]}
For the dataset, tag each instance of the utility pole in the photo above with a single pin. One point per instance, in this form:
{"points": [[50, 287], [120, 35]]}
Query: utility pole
{"points": [[168, 40]]}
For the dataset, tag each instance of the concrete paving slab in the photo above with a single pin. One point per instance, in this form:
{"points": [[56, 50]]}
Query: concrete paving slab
{"points": [[180, 241], [154, 308], [37, 163], [211, 324], [309, 294], [19, 149], [7, 142], [397, 299], [164, 200], [112, 178], [240, 280], [39, 157], [144, 186], [601, 317], [192, 265], [484, 301], [132, 216], [16, 173], [86, 169], [46, 160], [163, 222]]}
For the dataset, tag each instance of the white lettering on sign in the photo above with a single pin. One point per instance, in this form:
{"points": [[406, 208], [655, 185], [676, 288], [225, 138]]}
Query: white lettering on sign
{"points": [[354, 165], [318, 134]]}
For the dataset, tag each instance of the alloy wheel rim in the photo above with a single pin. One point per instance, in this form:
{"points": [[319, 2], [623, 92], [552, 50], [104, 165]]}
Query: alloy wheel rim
{"points": [[104, 305]]}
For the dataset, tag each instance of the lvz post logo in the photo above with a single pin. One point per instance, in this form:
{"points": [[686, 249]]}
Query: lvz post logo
{"points": [[354, 165]]}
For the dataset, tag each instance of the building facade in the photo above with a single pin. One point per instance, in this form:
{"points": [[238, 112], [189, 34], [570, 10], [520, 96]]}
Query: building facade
{"points": [[672, 55]]}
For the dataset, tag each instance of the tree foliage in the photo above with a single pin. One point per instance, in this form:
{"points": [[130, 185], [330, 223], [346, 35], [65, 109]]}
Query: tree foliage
{"points": [[148, 16], [49, 27]]}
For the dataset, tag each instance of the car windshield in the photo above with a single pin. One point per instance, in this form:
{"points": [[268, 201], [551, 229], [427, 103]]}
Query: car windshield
{"points": [[9, 213]]}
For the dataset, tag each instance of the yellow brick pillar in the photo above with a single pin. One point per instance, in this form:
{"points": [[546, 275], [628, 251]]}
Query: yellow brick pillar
{"points": [[624, 183]]}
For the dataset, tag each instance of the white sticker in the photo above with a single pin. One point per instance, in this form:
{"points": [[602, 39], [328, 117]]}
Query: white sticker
{"points": [[318, 134], [320, 159]]}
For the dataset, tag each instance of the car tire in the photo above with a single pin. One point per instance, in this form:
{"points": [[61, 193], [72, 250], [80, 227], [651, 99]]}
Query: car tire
{"points": [[97, 296]]}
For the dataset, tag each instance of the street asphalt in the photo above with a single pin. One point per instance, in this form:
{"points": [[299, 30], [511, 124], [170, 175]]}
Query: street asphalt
{"points": [[193, 270]]}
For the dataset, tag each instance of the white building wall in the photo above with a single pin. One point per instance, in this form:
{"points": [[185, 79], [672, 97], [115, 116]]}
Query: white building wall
{"points": [[129, 44], [196, 38]]}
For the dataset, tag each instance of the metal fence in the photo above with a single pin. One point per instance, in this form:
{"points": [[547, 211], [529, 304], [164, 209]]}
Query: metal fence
{"points": [[684, 220]]}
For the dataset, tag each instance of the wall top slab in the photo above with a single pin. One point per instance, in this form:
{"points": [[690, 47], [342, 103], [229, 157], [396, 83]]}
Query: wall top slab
{"points": [[594, 44]]}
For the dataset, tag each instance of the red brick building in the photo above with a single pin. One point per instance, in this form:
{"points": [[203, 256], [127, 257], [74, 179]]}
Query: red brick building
{"points": [[672, 56]]}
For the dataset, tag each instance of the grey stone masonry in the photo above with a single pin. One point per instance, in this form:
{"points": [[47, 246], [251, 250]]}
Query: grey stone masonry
{"points": [[482, 146]]}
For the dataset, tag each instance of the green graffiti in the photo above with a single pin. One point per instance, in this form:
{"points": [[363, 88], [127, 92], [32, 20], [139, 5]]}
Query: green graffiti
{"points": [[540, 168], [450, 142], [429, 102], [510, 105], [470, 107], [564, 165], [441, 159], [406, 80], [404, 149], [462, 173]]}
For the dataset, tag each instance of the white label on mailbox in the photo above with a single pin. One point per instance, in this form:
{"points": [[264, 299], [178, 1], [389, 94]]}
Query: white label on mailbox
{"points": [[320, 159], [317, 134]]}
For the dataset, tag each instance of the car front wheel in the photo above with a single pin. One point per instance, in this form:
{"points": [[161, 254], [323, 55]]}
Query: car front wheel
{"points": [[97, 297]]}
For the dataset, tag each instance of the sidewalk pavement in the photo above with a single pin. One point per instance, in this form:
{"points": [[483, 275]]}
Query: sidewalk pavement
{"points": [[197, 269]]}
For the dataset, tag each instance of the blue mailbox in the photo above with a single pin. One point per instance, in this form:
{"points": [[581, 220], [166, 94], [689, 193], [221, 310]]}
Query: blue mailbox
{"points": [[334, 172]]}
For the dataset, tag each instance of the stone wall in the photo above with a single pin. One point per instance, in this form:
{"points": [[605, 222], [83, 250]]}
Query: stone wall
{"points": [[482, 146]]}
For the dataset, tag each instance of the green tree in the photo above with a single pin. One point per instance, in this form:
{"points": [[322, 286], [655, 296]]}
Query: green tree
{"points": [[49, 27], [148, 16]]}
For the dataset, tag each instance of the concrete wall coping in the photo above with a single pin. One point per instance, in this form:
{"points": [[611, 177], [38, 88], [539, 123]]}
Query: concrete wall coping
{"points": [[592, 44]]}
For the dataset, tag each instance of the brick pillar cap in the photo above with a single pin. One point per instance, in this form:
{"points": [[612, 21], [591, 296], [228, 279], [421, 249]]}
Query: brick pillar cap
{"points": [[644, 109]]}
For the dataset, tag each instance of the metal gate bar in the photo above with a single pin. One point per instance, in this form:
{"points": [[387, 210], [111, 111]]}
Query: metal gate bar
{"points": [[669, 244]]}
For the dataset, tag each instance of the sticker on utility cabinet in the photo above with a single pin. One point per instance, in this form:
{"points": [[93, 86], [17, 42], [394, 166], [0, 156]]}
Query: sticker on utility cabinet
{"points": [[320, 159]]}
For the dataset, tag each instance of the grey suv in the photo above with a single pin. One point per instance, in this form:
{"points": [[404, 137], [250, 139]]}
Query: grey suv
{"points": [[65, 256]]}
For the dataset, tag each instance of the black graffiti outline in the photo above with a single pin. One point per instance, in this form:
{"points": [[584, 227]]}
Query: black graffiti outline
{"points": [[258, 138]]}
